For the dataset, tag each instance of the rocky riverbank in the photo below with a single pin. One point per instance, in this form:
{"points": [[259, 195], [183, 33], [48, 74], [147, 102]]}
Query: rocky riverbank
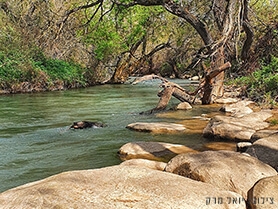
{"points": [[187, 178]]}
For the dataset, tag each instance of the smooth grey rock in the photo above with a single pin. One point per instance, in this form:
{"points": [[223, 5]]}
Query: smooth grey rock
{"points": [[266, 150]]}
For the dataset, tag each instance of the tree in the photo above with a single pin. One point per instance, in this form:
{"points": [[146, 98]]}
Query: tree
{"points": [[216, 40], [217, 22], [113, 32]]}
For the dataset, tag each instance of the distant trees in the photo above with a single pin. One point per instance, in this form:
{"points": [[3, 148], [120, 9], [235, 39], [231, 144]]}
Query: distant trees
{"points": [[117, 38]]}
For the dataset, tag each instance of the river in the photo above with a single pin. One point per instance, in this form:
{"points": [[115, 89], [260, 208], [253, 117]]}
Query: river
{"points": [[36, 142]]}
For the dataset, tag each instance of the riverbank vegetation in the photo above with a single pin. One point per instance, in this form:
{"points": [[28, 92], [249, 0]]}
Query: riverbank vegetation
{"points": [[51, 45]]}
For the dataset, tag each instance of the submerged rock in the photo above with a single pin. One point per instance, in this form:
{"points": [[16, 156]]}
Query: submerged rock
{"points": [[157, 127], [226, 170], [216, 146], [152, 150], [118, 187]]}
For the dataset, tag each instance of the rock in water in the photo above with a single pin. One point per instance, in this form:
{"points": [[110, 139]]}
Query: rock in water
{"points": [[157, 127], [86, 124]]}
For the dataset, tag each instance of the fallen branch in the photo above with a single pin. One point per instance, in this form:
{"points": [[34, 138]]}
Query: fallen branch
{"points": [[169, 89], [173, 89]]}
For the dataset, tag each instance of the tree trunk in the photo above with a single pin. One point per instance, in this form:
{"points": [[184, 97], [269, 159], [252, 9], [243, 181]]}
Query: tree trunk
{"points": [[214, 83], [218, 81]]}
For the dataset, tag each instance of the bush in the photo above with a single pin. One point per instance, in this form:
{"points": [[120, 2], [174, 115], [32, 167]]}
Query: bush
{"points": [[71, 74], [262, 85]]}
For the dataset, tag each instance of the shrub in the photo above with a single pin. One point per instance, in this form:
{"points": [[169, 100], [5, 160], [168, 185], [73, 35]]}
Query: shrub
{"points": [[262, 85]]}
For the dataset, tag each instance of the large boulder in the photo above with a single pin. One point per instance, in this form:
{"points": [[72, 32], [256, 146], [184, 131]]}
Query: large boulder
{"points": [[262, 134], [236, 129], [238, 109], [152, 150], [157, 127], [266, 150], [118, 187], [264, 194], [156, 165], [226, 170]]}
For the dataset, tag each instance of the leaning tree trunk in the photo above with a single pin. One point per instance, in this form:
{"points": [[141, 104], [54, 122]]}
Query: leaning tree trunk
{"points": [[214, 86], [210, 86]]}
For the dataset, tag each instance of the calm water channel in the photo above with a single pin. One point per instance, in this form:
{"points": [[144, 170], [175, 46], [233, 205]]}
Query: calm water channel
{"points": [[36, 142]]}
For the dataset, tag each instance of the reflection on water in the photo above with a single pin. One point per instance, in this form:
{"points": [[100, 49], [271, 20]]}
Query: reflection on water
{"points": [[36, 142]]}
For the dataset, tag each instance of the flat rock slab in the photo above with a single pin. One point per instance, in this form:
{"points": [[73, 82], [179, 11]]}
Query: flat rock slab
{"points": [[226, 170], [152, 150], [264, 194], [266, 150], [237, 129], [121, 187], [157, 127]]}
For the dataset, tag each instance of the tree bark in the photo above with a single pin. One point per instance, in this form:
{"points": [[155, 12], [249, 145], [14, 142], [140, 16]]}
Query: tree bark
{"points": [[210, 82], [248, 31]]}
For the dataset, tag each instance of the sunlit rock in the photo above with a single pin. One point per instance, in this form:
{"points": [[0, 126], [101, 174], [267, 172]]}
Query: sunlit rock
{"points": [[184, 106], [262, 134], [152, 150], [226, 170], [118, 187], [195, 78], [243, 146], [264, 194], [157, 127], [238, 109], [226, 100], [156, 165], [237, 129]]}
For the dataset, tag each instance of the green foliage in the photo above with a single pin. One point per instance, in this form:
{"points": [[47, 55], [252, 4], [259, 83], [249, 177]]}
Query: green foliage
{"points": [[21, 63], [262, 85], [105, 40], [69, 73], [273, 122], [120, 30]]}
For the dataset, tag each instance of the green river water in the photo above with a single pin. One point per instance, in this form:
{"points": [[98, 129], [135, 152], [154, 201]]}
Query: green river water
{"points": [[36, 142]]}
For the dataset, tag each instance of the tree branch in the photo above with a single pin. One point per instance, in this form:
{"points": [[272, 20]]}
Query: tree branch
{"points": [[69, 12]]}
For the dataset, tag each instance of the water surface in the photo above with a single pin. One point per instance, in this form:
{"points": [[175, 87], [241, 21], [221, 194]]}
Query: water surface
{"points": [[36, 142]]}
